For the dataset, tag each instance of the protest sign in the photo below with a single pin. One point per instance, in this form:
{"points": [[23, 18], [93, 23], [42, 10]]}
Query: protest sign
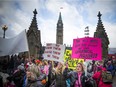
{"points": [[14, 45], [54, 52], [87, 48], [72, 63]]}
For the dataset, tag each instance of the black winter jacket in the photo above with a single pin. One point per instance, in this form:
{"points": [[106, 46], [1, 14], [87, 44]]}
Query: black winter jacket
{"points": [[74, 77]]}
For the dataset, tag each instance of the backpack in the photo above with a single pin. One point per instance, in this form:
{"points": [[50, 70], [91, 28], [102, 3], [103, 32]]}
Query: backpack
{"points": [[107, 77]]}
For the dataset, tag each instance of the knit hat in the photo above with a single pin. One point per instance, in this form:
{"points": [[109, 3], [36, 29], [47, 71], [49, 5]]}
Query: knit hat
{"points": [[21, 67]]}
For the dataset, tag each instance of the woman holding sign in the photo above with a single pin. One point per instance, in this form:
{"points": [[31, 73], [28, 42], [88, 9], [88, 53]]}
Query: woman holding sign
{"points": [[78, 78], [59, 78]]}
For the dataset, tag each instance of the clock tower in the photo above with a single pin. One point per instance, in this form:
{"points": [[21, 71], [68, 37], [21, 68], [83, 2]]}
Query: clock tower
{"points": [[59, 31]]}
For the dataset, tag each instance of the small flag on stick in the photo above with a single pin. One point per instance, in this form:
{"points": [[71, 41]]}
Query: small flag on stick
{"points": [[61, 7]]}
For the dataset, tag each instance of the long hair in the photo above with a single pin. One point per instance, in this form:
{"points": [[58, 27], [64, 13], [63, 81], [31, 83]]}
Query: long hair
{"points": [[33, 69], [60, 68], [82, 65]]}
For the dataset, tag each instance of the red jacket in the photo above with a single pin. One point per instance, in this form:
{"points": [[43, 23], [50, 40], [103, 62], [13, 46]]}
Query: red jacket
{"points": [[96, 76]]}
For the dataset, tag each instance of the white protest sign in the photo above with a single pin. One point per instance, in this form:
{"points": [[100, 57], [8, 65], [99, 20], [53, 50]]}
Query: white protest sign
{"points": [[54, 52]]}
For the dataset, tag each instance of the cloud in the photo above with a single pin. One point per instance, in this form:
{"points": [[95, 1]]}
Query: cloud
{"points": [[16, 15], [76, 15], [111, 29]]}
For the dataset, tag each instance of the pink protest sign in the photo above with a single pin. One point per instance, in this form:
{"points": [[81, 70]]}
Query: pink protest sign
{"points": [[87, 48]]}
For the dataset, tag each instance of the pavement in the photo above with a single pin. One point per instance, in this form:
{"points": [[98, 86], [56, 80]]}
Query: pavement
{"points": [[114, 81]]}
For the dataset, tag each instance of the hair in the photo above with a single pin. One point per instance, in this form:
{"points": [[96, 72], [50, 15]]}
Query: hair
{"points": [[82, 65], [34, 70], [59, 69], [45, 62]]}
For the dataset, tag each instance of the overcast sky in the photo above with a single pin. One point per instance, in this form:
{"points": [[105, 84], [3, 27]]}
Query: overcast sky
{"points": [[76, 15]]}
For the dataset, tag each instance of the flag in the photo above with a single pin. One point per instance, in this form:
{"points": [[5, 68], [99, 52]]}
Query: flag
{"points": [[87, 27], [14, 45], [61, 7]]}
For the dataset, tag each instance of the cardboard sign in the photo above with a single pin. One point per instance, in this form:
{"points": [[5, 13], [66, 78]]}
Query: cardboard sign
{"points": [[54, 52], [72, 63], [87, 48]]}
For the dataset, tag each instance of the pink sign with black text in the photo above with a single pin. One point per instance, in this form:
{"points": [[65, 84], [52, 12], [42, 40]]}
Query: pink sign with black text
{"points": [[87, 48]]}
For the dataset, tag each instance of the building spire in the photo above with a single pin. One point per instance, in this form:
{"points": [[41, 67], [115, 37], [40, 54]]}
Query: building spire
{"points": [[35, 12], [99, 15], [60, 23], [34, 21], [101, 33], [60, 18], [100, 25], [99, 20]]}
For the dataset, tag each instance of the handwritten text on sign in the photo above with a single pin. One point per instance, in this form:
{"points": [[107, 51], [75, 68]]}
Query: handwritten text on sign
{"points": [[87, 48], [72, 63], [54, 52]]}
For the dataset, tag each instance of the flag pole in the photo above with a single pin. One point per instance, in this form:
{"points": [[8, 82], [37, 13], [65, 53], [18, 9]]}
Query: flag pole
{"points": [[61, 8]]}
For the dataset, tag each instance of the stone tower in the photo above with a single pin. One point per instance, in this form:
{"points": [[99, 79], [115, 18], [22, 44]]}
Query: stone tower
{"points": [[59, 32], [100, 33], [34, 38]]}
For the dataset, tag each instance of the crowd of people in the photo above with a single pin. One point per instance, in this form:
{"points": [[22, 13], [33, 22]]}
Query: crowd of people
{"points": [[20, 72]]}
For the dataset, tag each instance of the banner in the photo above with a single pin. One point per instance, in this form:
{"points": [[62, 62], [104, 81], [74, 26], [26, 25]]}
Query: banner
{"points": [[54, 52], [87, 48], [72, 63], [14, 45]]}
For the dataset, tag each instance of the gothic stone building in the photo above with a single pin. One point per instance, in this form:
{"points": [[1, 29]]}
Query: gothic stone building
{"points": [[100, 33], [59, 31], [34, 38]]}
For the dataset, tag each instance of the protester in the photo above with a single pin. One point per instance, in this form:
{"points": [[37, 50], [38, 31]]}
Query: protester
{"points": [[46, 70], [18, 75], [32, 77], [46, 67], [37, 73], [78, 78], [110, 67], [98, 78], [60, 80], [66, 76], [52, 74]]}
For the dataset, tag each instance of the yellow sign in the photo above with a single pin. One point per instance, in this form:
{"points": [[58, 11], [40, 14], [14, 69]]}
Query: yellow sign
{"points": [[72, 63]]}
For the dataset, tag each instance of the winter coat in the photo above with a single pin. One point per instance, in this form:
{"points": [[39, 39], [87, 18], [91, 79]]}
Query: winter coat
{"points": [[74, 77], [18, 78], [51, 76], [60, 80], [98, 79], [65, 73], [111, 69], [66, 77], [35, 83]]}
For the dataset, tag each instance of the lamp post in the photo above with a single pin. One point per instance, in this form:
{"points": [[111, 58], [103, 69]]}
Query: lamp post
{"points": [[4, 28]]}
